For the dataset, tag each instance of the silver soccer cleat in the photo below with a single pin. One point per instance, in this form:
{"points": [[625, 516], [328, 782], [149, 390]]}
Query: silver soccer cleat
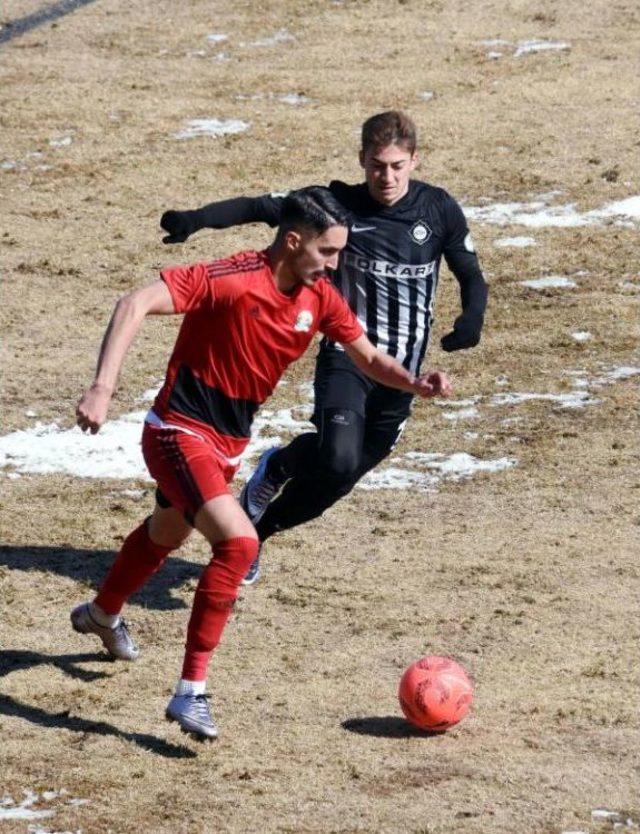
{"points": [[193, 715], [116, 641]]}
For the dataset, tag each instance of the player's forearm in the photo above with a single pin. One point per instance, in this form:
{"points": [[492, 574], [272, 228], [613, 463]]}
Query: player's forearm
{"points": [[473, 299], [473, 287], [125, 322], [387, 371]]}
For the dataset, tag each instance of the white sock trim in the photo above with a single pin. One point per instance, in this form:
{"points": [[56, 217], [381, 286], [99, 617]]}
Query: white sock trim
{"points": [[102, 618], [186, 687]]}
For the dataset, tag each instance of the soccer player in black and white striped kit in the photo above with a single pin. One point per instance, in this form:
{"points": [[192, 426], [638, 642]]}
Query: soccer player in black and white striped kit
{"points": [[388, 272]]}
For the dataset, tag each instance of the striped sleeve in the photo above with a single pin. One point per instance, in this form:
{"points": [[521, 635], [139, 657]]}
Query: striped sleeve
{"points": [[190, 286]]}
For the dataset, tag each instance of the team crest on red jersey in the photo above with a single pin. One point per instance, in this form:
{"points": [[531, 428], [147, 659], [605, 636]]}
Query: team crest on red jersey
{"points": [[303, 321]]}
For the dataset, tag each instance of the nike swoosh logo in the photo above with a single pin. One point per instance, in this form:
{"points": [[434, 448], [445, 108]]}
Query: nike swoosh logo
{"points": [[355, 228]]}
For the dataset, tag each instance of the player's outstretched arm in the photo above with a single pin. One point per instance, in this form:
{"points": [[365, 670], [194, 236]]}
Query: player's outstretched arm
{"points": [[385, 369], [221, 215], [128, 315]]}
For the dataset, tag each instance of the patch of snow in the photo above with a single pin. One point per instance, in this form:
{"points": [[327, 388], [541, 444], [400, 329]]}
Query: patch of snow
{"points": [[630, 207], [433, 468], [211, 127], [280, 420], [516, 242], [463, 414], [281, 36], [36, 829], [602, 814], [306, 390], [538, 214], [616, 374], [457, 403], [549, 282], [574, 399], [460, 464], [294, 99], [9, 810], [535, 45], [394, 478], [535, 214], [217, 38], [63, 142], [494, 55], [581, 336], [112, 453], [427, 95]]}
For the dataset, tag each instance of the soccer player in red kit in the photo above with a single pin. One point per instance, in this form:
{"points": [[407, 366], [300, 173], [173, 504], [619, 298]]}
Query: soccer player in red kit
{"points": [[246, 319]]}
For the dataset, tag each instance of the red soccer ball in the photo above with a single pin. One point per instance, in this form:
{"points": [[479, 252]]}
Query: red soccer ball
{"points": [[435, 693]]}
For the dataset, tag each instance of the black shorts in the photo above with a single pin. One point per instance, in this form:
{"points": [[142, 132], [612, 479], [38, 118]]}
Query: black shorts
{"points": [[339, 384]]}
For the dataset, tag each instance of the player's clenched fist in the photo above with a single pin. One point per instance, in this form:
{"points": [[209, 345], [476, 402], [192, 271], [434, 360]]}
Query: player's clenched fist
{"points": [[91, 411], [433, 384]]}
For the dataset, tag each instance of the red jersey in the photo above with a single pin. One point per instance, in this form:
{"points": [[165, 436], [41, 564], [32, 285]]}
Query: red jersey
{"points": [[237, 338]]}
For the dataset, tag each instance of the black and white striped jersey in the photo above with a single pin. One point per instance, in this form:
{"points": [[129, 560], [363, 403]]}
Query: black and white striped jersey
{"points": [[389, 269]]}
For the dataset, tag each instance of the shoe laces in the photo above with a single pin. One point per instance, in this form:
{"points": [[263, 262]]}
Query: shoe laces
{"points": [[201, 706], [266, 489], [121, 630]]}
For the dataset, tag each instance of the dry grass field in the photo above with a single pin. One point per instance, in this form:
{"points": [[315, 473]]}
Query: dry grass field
{"points": [[529, 576]]}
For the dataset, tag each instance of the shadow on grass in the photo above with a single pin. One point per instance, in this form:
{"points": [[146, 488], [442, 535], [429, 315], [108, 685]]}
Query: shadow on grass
{"points": [[16, 661], [386, 726], [64, 721], [91, 566]]}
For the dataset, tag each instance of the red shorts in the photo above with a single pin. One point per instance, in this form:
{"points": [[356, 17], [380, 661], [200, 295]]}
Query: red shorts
{"points": [[186, 468]]}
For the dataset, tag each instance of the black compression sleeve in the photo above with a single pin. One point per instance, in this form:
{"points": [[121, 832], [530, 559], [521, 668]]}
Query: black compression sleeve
{"points": [[473, 288], [463, 261], [239, 210]]}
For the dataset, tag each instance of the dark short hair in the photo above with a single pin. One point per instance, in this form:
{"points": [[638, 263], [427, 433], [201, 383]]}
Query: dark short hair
{"points": [[390, 128], [313, 208]]}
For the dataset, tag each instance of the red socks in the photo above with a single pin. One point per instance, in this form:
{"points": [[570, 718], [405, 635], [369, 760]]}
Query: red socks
{"points": [[214, 598], [138, 559]]}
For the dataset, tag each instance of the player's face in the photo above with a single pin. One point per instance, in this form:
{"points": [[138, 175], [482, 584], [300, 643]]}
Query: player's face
{"points": [[387, 172], [312, 255]]}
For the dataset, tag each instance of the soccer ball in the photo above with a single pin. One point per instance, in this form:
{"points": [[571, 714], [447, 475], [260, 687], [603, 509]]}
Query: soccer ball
{"points": [[435, 693]]}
